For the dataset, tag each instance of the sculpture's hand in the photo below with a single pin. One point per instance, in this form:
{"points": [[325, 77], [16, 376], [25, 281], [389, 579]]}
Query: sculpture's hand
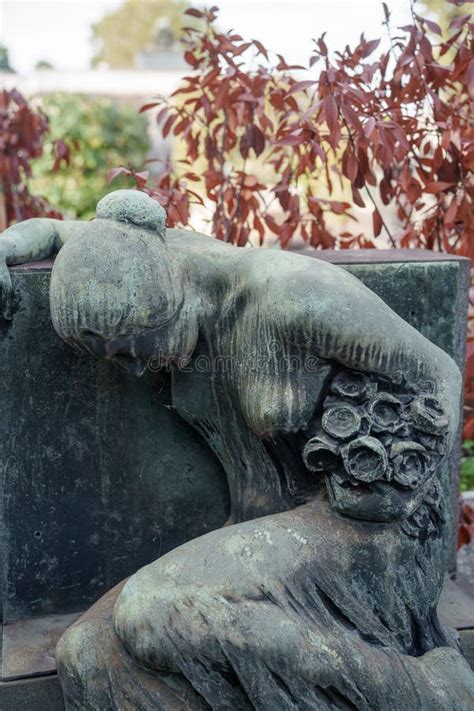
{"points": [[28, 241], [5, 290]]}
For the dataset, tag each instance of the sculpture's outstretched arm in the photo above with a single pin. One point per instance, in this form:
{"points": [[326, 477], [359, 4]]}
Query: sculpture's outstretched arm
{"points": [[30, 241], [39, 238]]}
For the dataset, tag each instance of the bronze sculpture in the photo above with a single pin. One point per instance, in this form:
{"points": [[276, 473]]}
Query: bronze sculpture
{"points": [[331, 417]]}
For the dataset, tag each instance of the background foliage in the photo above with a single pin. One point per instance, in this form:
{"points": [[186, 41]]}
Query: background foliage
{"points": [[273, 147], [101, 132], [23, 129]]}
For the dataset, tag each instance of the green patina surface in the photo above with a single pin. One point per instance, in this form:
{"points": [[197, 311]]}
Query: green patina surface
{"points": [[98, 480]]}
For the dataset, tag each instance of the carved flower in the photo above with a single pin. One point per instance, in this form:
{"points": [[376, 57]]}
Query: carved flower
{"points": [[365, 458], [410, 465], [351, 385], [341, 421], [320, 454], [386, 412], [435, 443], [428, 416], [429, 517]]}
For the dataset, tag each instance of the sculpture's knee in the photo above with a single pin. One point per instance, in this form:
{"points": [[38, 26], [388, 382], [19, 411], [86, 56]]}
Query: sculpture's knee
{"points": [[141, 621], [77, 663]]}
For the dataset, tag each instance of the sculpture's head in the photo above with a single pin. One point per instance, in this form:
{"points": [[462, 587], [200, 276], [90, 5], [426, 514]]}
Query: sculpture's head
{"points": [[116, 290]]}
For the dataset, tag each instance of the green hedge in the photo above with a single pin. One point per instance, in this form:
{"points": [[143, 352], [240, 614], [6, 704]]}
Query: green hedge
{"points": [[103, 134]]}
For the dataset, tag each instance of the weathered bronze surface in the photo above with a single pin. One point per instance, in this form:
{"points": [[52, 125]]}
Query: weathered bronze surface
{"points": [[331, 417]]}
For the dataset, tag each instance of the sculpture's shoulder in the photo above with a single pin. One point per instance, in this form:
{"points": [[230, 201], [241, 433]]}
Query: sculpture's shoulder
{"points": [[279, 284], [190, 240], [256, 266], [301, 283]]}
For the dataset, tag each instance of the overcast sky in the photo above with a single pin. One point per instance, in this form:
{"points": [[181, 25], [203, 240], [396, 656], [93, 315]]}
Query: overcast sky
{"points": [[59, 30]]}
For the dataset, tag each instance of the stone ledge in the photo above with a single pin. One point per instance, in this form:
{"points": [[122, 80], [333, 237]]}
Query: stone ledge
{"points": [[39, 694]]}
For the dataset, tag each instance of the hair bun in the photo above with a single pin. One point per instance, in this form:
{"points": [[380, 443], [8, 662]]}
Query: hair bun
{"points": [[134, 207]]}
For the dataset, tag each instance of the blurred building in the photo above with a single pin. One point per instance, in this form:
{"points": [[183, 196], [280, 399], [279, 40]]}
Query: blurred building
{"points": [[160, 68], [163, 53]]}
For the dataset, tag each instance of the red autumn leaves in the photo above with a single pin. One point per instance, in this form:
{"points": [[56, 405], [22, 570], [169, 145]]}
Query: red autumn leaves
{"points": [[22, 133], [267, 149]]}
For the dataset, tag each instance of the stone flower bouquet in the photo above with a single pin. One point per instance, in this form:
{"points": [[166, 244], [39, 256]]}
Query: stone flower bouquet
{"points": [[376, 445]]}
